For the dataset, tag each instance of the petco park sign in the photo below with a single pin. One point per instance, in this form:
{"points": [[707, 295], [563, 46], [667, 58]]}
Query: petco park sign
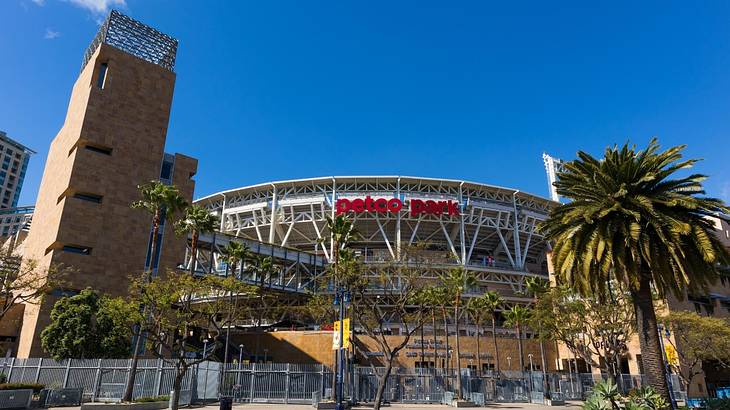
{"points": [[382, 205]]}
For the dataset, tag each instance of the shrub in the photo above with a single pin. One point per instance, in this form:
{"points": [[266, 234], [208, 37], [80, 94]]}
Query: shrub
{"points": [[606, 396], [36, 387], [3, 378], [151, 399], [718, 404]]}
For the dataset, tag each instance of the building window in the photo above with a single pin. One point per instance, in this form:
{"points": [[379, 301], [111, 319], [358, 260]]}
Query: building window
{"points": [[83, 250], [99, 149], [64, 292], [101, 80], [166, 172], [88, 197]]}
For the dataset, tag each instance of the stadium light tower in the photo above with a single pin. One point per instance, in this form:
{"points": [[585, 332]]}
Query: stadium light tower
{"points": [[552, 167]]}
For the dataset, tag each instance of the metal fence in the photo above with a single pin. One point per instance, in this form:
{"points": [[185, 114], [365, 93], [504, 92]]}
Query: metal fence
{"points": [[100, 379], [104, 380]]}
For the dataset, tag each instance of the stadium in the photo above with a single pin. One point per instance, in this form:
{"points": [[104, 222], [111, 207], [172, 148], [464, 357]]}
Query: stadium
{"points": [[488, 230]]}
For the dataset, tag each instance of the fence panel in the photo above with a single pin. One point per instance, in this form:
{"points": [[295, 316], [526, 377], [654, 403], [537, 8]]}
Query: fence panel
{"points": [[105, 379]]}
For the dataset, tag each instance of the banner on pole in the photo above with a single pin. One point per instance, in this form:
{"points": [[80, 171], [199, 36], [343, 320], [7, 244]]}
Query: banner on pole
{"points": [[345, 335]]}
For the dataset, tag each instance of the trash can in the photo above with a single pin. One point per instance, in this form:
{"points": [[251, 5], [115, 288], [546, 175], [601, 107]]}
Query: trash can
{"points": [[226, 402]]}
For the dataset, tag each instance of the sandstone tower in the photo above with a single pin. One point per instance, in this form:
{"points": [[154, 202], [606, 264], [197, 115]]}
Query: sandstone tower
{"points": [[113, 139]]}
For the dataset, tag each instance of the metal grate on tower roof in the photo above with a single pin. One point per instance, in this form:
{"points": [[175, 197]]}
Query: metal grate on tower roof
{"points": [[135, 38]]}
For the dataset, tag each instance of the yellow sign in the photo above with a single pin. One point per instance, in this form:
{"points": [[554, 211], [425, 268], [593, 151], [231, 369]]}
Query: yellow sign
{"points": [[345, 335], [672, 357]]}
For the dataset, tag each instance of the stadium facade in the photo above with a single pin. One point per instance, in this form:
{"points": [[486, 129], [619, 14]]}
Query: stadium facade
{"points": [[489, 230]]}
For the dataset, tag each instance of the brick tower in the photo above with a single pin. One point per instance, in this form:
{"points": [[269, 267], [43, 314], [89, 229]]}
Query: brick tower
{"points": [[113, 139]]}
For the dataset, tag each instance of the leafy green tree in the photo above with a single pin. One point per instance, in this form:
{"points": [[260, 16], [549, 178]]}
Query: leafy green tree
{"points": [[590, 327], [697, 340], [629, 220], [178, 304], [196, 221], [87, 325], [517, 317], [26, 283], [397, 287], [158, 199], [457, 281]]}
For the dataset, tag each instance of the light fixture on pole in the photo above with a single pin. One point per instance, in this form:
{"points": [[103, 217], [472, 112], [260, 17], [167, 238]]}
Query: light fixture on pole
{"points": [[162, 340], [667, 370]]}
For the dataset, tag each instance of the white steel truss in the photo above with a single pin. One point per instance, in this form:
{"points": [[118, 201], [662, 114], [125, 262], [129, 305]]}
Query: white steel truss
{"points": [[496, 234]]}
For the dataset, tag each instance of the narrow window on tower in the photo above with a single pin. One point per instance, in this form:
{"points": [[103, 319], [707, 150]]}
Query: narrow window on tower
{"points": [[101, 80]]}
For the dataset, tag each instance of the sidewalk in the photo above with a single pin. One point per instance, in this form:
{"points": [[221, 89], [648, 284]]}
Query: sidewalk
{"points": [[570, 405]]}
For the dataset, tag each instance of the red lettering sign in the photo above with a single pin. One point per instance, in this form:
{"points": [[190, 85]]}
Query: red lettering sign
{"points": [[430, 207], [382, 205]]}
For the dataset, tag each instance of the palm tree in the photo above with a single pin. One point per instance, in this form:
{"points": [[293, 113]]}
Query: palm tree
{"points": [[492, 302], [628, 220], [475, 308], [233, 253], [457, 281], [442, 299], [197, 221], [537, 287], [431, 301], [516, 317], [342, 231], [158, 199], [264, 267]]}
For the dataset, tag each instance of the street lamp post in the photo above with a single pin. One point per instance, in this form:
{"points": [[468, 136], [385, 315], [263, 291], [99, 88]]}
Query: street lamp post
{"points": [[205, 353], [342, 299], [240, 362], [162, 339], [667, 371], [532, 368]]}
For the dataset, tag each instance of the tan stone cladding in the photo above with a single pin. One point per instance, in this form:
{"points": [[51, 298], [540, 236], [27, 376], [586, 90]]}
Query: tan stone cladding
{"points": [[316, 347], [113, 139]]}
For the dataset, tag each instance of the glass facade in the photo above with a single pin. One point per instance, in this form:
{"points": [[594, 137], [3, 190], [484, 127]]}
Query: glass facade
{"points": [[15, 158]]}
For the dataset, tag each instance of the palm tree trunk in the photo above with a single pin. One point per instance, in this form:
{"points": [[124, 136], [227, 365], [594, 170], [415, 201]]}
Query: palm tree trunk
{"points": [[193, 250], [446, 359], [458, 350], [651, 352], [519, 345], [479, 350], [423, 348], [435, 346], [494, 340], [129, 385]]}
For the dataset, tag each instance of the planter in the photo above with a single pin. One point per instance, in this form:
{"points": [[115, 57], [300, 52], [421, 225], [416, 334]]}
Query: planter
{"points": [[14, 399], [152, 405], [463, 403], [554, 402]]}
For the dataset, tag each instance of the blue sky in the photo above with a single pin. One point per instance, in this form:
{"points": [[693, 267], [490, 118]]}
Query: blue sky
{"points": [[270, 90]]}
